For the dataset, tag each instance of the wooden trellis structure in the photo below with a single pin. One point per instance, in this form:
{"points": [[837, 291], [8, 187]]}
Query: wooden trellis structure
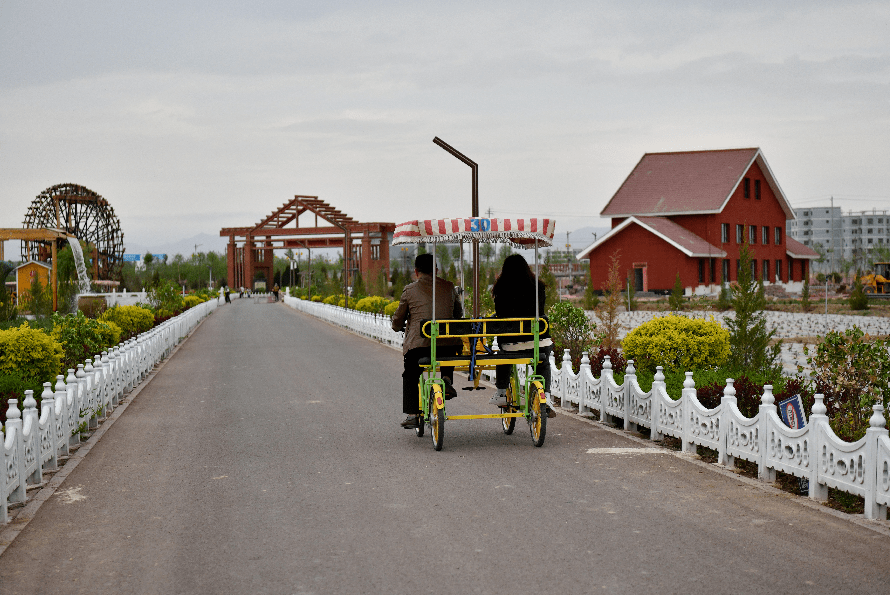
{"points": [[250, 249]]}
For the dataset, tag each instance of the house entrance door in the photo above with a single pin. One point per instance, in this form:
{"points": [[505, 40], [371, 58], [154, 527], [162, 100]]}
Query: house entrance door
{"points": [[638, 279]]}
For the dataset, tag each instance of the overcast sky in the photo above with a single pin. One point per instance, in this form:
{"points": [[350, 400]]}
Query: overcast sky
{"points": [[191, 116]]}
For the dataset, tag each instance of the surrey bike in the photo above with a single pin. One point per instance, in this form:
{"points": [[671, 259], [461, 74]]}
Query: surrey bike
{"points": [[525, 393]]}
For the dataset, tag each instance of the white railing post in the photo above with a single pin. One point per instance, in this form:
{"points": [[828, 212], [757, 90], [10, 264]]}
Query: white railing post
{"points": [[873, 434], [658, 386], [726, 400], [31, 440], [688, 392], [630, 375], [583, 390], [63, 407], [767, 406], [14, 468]]}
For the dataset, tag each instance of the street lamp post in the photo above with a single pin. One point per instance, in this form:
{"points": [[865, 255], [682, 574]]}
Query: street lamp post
{"points": [[475, 213]]}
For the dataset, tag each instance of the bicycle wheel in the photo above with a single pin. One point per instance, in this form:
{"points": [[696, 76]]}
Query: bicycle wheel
{"points": [[437, 417], [537, 420], [508, 423], [420, 427]]}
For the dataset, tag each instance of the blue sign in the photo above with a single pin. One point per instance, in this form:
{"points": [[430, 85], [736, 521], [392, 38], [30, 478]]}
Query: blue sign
{"points": [[132, 257], [791, 412], [480, 224]]}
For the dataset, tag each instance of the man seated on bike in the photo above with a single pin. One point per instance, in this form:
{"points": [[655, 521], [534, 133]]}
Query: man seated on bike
{"points": [[415, 308], [514, 297]]}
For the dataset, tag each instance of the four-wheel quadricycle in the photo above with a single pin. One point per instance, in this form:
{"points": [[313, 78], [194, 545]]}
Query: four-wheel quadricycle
{"points": [[525, 394]]}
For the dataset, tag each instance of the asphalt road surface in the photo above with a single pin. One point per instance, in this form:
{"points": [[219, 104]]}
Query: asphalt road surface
{"points": [[266, 457]]}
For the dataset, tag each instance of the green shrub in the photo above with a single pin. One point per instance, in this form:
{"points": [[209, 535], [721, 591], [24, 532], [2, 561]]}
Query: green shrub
{"points": [[571, 329], [676, 299], [132, 320], [166, 298], [373, 304], [391, 308], [331, 300], [677, 343], [31, 353], [82, 337], [316, 298], [13, 386]]}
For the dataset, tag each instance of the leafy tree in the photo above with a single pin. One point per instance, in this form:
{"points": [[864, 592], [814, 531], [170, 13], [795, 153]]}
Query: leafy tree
{"points": [[749, 337], [676, 298], [552, 292], [631, 292], [358, 286]]}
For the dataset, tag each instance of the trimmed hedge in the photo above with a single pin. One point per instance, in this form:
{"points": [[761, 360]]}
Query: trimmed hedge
{"points": [[30, 353], [677, 343]]}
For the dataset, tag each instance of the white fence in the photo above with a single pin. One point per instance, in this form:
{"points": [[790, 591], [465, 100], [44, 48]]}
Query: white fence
{"points": [[813, 452], [34, 440]]}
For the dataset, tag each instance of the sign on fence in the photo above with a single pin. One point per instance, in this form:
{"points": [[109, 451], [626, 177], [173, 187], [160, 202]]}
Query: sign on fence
{"points": [[791, 412]]}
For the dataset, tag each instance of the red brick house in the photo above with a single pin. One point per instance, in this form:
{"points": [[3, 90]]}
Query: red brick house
{"points": [[688, 212]]}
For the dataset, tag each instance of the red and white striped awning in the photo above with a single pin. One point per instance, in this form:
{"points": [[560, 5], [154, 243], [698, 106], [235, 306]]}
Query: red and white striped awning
{"points": [[520, 232]]}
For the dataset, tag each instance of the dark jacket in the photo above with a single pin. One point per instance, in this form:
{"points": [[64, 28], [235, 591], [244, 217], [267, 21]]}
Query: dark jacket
{"points": [[416, 307], [515, 306]]}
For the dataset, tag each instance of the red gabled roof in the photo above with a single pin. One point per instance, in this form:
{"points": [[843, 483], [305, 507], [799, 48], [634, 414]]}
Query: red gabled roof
{"points": [[797, 250], [687, 182], [681, 238]]}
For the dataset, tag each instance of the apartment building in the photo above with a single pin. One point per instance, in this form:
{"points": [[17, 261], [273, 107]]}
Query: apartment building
{"points": [[850, 237]]}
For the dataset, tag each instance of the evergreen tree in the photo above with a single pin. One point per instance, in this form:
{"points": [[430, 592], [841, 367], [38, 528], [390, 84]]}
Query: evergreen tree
{"points": [[676, 298], [858, 300], [591, 300], [805, 304], [607, 311], [748, 335]]}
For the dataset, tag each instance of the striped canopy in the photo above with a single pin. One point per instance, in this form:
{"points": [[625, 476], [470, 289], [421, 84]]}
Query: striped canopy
{"points": [[519, 232]]}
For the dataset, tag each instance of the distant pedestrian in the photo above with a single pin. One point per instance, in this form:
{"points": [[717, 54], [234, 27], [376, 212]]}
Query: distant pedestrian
{"points": [[275, 291], [227, 294]]}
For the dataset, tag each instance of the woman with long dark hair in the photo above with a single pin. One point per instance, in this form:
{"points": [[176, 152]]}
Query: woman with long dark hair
{"points": [[514, 295]]}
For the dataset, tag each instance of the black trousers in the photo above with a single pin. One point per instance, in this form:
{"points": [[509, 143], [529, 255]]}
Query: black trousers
{"points": [[412, 372], [503, 372]]}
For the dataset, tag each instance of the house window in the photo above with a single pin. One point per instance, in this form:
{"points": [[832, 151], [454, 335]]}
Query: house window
{"points": [[790, 270], [757, 189], [713, 268], [701, 270], [754, 268], [725, 270], [724, 233], [752, 234], [739, 234], [765, 276], [747, 188], [870, 221], [778, 271], [778, 231], [764, 235]]}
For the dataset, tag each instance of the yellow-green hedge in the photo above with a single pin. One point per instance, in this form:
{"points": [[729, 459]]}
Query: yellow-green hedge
{"points": [[190, 301], [132, 320], [677, 343], [373, 304], [30, 352]]}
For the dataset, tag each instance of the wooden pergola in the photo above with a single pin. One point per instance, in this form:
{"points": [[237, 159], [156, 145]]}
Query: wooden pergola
{"points": [[45, 235], [250, 249]]}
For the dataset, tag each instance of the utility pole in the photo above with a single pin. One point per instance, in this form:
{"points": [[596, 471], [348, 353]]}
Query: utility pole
{"points": [[831, 237]]}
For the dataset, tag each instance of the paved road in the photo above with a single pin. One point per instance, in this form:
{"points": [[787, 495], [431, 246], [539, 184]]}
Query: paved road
{"points": [[266, 457]]}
